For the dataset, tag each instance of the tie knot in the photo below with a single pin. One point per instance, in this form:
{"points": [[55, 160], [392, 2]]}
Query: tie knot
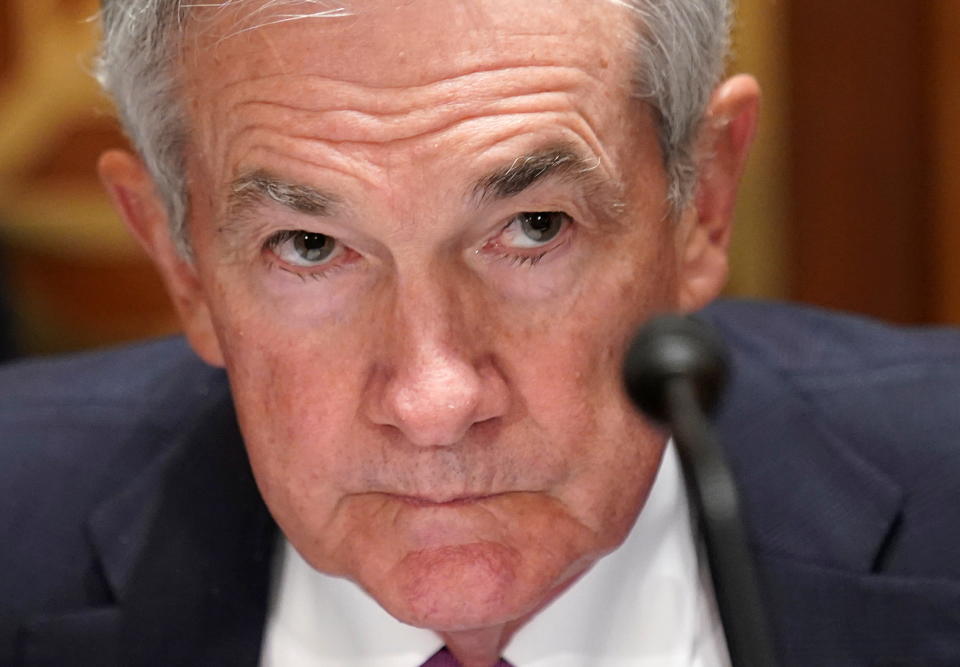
{"points": [[443, 658]]}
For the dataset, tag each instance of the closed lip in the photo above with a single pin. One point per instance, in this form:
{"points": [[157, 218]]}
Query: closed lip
{"points": [[452, 501]]}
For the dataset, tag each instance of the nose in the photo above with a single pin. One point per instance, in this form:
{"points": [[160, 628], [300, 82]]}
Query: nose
{"points": [[435, 381], [435, 400]]}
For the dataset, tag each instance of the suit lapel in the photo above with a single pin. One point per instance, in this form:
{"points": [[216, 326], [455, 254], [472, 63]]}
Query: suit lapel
{"points": [[185, 548], [198, 592], [806, 493], [826, 616], [87, 637], [820, 518]]}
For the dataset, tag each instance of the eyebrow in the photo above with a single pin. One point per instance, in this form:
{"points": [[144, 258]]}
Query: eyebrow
{"points": [[252, 189], [527, 170]]}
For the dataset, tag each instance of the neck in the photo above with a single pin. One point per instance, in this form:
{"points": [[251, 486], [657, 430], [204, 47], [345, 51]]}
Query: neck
{"points": [[479, 648]]}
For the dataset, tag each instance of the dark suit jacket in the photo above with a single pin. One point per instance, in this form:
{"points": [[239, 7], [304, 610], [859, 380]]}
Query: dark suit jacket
{"points": [[133, 534]]}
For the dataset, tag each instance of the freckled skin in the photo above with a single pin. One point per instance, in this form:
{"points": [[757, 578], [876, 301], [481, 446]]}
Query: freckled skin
{"points": [[426, 370]]}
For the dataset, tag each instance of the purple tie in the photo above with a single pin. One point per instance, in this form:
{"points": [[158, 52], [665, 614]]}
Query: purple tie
{"points": [[443, 658]]}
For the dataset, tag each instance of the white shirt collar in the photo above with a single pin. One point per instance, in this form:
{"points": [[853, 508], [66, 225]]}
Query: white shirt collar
{"points": [[647, 604]]}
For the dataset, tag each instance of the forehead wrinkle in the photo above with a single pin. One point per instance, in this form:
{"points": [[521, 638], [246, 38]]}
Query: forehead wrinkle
{"points": [[414, 109], [516, 74], [402, 138], [358, 113], [562, 158], [340, 162], [339, 126], [419, 105], [290, 145]]}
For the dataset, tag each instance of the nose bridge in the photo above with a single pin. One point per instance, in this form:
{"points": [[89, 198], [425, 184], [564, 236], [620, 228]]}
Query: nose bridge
{"points": [[430, 316], [436, 384]]}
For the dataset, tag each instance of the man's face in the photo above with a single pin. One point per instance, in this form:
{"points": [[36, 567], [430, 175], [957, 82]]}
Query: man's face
{"points": [[424, 235]]}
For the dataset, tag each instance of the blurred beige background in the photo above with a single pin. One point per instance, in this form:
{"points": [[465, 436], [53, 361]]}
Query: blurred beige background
{"points": [[74, 278], [852, 198]]}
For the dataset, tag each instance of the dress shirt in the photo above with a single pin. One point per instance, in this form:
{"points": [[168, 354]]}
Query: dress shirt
{"points": [[647, 604]]}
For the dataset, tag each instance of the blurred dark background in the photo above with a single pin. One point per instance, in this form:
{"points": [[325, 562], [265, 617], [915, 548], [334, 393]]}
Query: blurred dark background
{"points": [[852, 199]]}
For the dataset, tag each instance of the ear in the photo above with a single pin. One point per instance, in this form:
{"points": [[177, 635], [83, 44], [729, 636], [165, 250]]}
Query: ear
{"points": [[724, 142], [133, 196]]}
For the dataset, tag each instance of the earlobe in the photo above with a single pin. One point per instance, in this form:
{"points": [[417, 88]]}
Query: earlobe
{"points": [[724, 143], [133, 195]]}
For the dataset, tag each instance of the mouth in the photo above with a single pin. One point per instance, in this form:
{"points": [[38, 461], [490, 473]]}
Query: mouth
{"points": [[454, 501]]}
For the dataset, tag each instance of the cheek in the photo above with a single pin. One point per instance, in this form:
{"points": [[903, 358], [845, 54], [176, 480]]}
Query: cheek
{"points": [[297, 395], [567, 376], [574, 394], [572, 349]]}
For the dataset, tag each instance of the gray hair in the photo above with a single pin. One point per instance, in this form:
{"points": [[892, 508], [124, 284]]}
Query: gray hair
{"points": [[681, 48]]}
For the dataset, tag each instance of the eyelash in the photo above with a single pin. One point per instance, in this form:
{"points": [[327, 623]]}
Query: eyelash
{"points": [[525, 260]]}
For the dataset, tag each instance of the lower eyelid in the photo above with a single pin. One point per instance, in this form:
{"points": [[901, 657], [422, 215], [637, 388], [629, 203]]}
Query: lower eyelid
{"points": [[345, 259], [534, 255]]}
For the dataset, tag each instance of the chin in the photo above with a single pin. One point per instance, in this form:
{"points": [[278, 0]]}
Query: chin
{"points": [[462, 587]]}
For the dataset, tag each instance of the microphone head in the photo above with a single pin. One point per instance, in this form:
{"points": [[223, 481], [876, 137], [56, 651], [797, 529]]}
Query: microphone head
{"points": [[674, 346]]}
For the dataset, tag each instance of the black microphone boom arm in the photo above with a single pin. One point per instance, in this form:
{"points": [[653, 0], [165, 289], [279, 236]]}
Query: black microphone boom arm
{"points": [[674, 372]]}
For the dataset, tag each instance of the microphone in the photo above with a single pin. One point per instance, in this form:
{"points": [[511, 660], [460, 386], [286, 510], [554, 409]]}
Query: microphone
{"points": [[674, 372], [673, 347]]}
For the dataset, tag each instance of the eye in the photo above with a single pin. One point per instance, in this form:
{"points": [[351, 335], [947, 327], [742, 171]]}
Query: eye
{"points": [[534, 229], [301, 248]]}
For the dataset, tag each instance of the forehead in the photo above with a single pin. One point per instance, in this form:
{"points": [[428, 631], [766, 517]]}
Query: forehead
{"points": [[364, 94], [404, 44]]}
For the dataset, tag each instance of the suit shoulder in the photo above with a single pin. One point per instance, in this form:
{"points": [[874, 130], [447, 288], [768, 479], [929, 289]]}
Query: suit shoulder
{"points": [[75, 426], [805, 341], [136, 373], [77, 431], [876, 401], [873, 383]]}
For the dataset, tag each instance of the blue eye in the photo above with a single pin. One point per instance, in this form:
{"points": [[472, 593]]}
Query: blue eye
{"points": [[301, 248], [532, 229]]}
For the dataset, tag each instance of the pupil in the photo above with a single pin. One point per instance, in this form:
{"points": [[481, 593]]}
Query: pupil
{"points": [[313, 247], [541, 226]]}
